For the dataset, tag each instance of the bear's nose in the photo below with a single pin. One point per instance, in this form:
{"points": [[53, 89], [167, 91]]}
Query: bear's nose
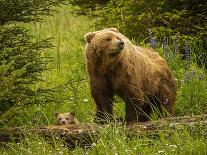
{"points": [[63, 122], [121, 43]]}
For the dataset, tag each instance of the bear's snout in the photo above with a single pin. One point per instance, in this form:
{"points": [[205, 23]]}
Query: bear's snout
{"points": [[63, 122], [120, 43]]}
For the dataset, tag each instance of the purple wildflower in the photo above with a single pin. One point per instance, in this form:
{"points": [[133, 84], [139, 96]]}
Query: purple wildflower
{"points": [[187, 76], [193, 73], [165, 47], [201, 75], [187, 52], [175, 43], [152, 40], [166, 101]]}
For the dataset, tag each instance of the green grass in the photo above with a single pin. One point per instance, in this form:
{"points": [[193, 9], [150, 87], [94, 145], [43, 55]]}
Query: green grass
{"points": [[69, 78]]}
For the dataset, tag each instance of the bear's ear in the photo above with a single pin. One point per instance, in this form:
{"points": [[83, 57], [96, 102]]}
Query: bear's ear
{"points": [[56, 114], [113, 29], [72, 114], [88, 36]]}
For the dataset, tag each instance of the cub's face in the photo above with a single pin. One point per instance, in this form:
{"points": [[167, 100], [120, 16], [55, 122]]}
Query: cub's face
{"points": [[65, 118], [105, 42]]}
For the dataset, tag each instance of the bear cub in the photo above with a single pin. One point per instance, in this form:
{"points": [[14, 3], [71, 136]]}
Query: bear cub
{"points": [[65, 118]]}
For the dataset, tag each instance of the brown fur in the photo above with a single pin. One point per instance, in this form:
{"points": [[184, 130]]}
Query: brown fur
{"points": [[140, 76]]}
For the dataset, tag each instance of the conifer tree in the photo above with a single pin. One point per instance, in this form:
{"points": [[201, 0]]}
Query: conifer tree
{"points": [[21, 64]]}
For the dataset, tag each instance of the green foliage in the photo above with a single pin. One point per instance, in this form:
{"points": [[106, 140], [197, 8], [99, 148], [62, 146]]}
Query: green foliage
{"points": [[114, 140], [185, 18], [192, 94], [20, 66], [86, 6], [191, 84], [164, 17], [21, 60], [26, 10], [69, 79]]}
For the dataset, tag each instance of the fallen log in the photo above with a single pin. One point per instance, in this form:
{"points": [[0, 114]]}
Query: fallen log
{"points": [[170, 123], [85, 134], [71, 134]]}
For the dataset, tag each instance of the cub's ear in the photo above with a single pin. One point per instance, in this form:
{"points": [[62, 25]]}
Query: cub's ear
{"points": [[88, 36], [113, 29], [56, 114], [72, 113]]}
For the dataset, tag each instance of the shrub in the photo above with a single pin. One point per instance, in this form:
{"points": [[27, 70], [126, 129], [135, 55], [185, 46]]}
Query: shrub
{"points": [[21, 61], [86, 6], [185, 18]]}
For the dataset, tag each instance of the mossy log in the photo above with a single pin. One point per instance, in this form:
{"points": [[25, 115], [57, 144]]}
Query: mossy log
{"points": [[84, 134]]}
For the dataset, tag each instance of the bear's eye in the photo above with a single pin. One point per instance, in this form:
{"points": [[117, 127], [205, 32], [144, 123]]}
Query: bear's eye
{"points": [[60, 119], [66, 118], [108, 39]]}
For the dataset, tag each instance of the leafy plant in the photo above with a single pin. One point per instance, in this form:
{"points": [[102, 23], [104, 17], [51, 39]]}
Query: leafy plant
{"points": [[185, 18], [21, 60]]}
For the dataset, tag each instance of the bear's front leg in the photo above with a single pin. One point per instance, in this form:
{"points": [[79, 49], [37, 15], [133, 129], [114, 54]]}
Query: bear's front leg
{"points": [[104, 106], [132, 112], [136, 111]]}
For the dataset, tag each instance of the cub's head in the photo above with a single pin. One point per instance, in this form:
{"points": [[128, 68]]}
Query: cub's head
{"points": [[65, 118], [105, 42]]}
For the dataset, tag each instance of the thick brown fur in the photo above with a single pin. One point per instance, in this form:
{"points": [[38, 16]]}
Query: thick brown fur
{"points": [[140, 76]]}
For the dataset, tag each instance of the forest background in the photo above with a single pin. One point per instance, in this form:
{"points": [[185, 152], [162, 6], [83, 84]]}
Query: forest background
{"points": [[42, 68]]}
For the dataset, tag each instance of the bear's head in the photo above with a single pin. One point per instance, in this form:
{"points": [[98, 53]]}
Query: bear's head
{"points": [[105, 42], [65, 118]]}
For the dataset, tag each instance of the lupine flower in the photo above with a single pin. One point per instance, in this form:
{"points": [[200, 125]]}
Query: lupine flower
{"points": [[187, 76], [175, 43], [187, 52], [166, 101], [165, 47], [201, 75], [193, 73], [152, 40]]}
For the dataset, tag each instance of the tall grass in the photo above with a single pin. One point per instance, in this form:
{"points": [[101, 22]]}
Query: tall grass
{"points": [[68, 78]]}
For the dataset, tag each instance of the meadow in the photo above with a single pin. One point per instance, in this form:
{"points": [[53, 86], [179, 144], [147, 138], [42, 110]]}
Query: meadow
{"points": [[67, 76]]}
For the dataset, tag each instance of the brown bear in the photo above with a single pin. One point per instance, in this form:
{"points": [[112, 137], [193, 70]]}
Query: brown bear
{"points": [[65, 118], [140, 76]]}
